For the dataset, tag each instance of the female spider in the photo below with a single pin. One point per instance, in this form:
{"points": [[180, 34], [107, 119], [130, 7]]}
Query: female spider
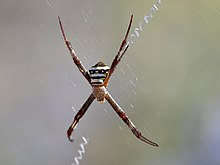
{"points": [[98, 77]]}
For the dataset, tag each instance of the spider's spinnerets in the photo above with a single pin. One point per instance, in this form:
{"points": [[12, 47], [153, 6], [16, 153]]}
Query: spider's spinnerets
{"points": [[98, 73]]}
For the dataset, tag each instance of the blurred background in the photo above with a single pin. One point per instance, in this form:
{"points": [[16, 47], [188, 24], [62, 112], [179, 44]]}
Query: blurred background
{"points": [[168, 82]]}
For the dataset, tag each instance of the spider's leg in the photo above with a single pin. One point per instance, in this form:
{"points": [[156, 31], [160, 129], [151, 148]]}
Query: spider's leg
{"points": [[123, 48], [73, 54], [79, 115], [129, 123]]}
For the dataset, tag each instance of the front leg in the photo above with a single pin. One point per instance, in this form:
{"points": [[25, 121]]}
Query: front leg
{"points": [[127, 121], [73, 54], [79, 115], [123, 48]]}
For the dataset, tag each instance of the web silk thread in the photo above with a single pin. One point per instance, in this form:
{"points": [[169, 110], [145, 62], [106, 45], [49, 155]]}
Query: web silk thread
{"points": [[81, 151], [136, 34], [146, 20]]}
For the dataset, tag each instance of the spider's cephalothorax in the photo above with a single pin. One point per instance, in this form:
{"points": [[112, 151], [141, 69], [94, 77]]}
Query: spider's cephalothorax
{"points": [[98, 77], [98, 73]]}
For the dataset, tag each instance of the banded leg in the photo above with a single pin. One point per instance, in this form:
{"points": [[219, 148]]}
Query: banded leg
{"points": [[73, 54], [79, 115], [123, 48], [127, 121]]}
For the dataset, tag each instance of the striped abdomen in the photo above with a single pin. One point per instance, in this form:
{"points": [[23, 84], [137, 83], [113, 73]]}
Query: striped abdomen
{"points": [[98, 73]]}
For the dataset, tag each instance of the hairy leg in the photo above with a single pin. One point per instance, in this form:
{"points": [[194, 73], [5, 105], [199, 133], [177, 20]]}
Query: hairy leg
{"points": [[123, 48], [127, 121], [79, 115], [73, 54]]}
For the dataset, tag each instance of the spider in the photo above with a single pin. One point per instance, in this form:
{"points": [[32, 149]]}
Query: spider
{"points": [[98, 77]]}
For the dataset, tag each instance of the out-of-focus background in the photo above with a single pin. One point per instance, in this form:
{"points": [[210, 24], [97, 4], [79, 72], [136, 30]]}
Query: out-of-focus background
{"points": [[168, 82]]}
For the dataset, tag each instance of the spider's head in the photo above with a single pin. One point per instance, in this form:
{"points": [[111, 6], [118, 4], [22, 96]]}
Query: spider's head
{"points": [[98, 73]]}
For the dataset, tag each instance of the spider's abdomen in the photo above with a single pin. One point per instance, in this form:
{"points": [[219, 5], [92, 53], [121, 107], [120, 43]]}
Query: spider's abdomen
{"points": [[98, 73]]}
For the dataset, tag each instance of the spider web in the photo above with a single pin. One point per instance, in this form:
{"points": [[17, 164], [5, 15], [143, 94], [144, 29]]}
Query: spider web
{"points": [[146, 19], [81, 151]]}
